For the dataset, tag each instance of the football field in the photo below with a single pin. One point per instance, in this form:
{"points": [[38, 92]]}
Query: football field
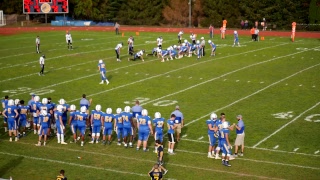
{"points": [[274, 84]]}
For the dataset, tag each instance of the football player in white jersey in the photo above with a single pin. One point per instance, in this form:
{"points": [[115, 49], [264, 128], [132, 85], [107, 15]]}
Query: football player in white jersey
{"points": [[117, 50], [159, 42], [69, 40], [130, 46], [180, 37]]}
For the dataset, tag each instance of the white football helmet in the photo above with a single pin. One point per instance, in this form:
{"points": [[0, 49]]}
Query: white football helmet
{"points": [[198, 42], [235, 32], [144, 112], [127, 109], [60, 108], [213, 116], [100, 61], [202, 38], [44, 101], [109, 111], [73, 107], [225, 125], [185, 41], [43, 112], [83, 109], [183, 44], [10, 102], [62, 101], [159, 51], [16, 101], [98, 107], [157, 115], [178, 47], [119, 110], [36, 99], [209, 41], [174, 46]]}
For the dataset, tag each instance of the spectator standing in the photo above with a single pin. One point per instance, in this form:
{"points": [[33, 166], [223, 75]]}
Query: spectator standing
{"points": [[240, 136], [252, 34], [242, 24], [116, 27], [246, 24], [256, 34], [211, 29]]}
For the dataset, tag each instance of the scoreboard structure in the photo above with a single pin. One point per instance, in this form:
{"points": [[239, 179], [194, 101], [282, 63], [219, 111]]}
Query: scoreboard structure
{"points": [[45, 6]]}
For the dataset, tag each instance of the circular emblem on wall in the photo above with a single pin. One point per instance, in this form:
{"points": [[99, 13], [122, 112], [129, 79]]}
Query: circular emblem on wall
{"points": [[45, 8]]}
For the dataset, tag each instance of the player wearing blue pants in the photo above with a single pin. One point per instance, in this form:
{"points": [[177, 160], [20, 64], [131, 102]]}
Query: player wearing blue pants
{"points": [[96, 123], [108, 126], [118, 125], [144, 129], [158, 122], [127, 126], [59, 124], [73, 122], [212, 129], [11, 113], [103, 71], [44, 118], [82, 117]]}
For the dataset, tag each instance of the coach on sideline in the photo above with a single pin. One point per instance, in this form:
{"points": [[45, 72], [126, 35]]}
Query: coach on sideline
{"points": [[179, 120], [85, 102], [240, 136]]}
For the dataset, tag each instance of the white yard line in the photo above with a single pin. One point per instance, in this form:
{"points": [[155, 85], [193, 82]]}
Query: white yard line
{"points": [[221, 76], [246, 97], [285, 125], [71, 164]]}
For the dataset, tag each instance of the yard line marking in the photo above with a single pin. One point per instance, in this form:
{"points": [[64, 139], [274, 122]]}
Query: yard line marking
{"points": [[143, 160], [185, 135], [262, 149], [218, 77], [200, 138], [316, 152], [71, 164], [258, 161], [276, 147], [296, 149], [246, 97], [263, 140]]}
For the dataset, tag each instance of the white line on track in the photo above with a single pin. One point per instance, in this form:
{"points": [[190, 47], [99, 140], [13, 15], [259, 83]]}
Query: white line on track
{"points": [[246, 97], [221, 76], [173, 164], [282, 127], [71, 164]]}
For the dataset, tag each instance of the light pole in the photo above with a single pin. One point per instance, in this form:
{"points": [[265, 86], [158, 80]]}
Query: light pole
{"points": [[189, 13]]}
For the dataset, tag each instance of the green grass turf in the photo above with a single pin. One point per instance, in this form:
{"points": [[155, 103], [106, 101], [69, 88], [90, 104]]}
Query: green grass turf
{"points": [[257, 80]]}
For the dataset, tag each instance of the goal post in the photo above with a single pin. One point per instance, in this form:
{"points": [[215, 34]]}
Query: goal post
{"points": [[2, 19]]}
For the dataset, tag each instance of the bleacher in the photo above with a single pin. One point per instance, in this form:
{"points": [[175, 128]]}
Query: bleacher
{"points": [[67, 21]]}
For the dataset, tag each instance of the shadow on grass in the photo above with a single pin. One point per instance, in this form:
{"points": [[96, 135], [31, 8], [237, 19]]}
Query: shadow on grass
{"points": [[10, 165]]}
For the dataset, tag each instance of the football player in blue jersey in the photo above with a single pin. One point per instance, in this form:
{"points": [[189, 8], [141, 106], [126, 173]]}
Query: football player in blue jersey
{"points": [[4, 104], [102, 70], [225, 144], [96, 123], [82, 122], [213, 48], [52, 125], [138, 55], [65, 110], [158, 123], [35, 112], [107, 126], [171, 127], [212, 129], [144, 129], [73, 122], [235, 39], [127, 127], [58, 113], [24, 112], [44, 118], [11, 113], [118, 125]]}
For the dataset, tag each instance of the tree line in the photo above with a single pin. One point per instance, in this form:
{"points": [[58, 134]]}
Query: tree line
{"points": [[176, 12]]}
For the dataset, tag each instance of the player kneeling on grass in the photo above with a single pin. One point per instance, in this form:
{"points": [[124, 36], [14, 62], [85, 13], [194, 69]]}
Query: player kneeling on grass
{"points": [[226, 146], [118, 125], [11, 113], [160, 157], [138, 55], [59, 123], [127, 126], [82, 122], [154, 52], [107, 126], [96, 122], [44, 119], [158, 122], [213, 48], [144, 129], [73, 122]]}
